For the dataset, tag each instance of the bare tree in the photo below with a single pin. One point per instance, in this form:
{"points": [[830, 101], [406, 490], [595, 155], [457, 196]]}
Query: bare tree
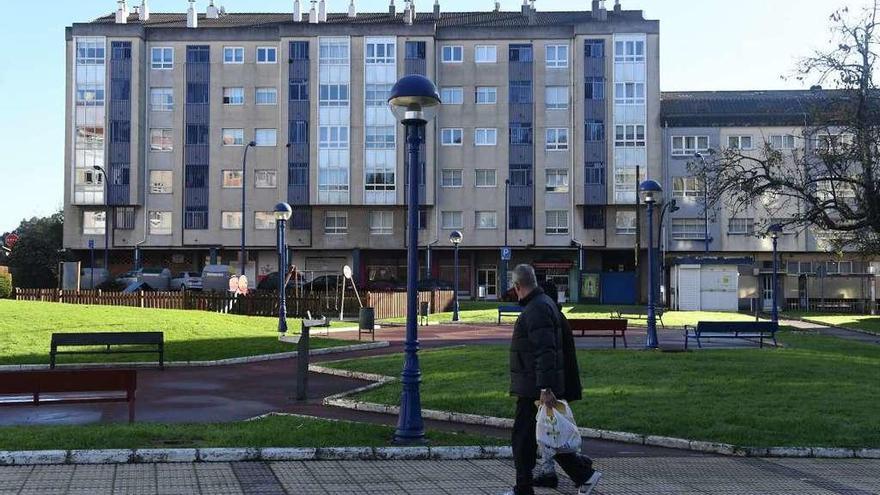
{"points": [[828, 182]]}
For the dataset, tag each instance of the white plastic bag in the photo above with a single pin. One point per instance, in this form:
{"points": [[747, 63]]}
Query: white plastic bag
{"points": [[556, 428]]}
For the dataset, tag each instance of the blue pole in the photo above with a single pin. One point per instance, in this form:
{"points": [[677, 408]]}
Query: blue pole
{"points": [[775, 310], [92, 265], [503, 290], [651, 342], [410, 427], [243, 258], [282, 278], [455, 285]]}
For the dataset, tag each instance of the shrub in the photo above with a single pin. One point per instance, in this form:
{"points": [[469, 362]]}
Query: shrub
{"points": [[5, 286]]}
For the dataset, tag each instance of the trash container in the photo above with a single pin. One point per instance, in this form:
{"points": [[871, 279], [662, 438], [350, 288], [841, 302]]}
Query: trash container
{"points": [[424, 310], [367, 322], [482, 292]]}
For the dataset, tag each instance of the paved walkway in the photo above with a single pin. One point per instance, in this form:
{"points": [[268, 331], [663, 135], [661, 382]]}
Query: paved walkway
{"points": [[840, 333], [648, 476]]}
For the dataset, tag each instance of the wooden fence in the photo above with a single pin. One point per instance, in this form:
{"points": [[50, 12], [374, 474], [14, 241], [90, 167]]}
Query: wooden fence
{"points": [[259, 303]]}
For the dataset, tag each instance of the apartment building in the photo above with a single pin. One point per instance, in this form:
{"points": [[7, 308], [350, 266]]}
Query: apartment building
{"points": [[556, 114]]}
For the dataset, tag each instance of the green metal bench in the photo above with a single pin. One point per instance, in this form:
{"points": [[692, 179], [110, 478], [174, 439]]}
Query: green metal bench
{"points": [[731, 330]]}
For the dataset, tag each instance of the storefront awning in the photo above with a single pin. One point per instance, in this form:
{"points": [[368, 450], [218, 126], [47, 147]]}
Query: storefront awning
{"points": [[553, 265]]}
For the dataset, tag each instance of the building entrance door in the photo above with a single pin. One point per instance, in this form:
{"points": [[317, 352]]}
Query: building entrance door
{"points": [[488, 277], [767, 292]]}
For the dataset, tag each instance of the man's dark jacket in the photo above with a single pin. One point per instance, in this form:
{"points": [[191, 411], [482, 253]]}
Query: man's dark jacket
{"points": [[536, 355], [573, 388]]}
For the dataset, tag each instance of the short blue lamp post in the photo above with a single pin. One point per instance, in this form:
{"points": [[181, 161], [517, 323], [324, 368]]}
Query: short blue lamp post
{"points": [[283, 211], [455, 238], [413, 100], [651, 191], [774, 230]]}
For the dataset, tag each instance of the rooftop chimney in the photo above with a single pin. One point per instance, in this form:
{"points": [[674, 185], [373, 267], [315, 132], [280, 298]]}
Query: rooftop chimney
{"points": [[599, 12], [525, 7], [192, 18], [497, 6], [212, 12], [322, 11], [391, 9], [144, 14], [121, 12], [532, 11], [352, 12], [297, 11], [617, 7], [436, 9], [408, 13], [313, 17]]}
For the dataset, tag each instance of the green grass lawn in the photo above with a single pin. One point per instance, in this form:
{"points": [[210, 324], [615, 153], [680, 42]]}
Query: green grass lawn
{"points": [[817, 391], [26, 329], [487, 312], [865, 323], [275, 431]]}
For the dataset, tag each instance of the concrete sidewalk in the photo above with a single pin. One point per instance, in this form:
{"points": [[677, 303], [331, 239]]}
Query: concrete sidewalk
{"points": [[672, 476]]}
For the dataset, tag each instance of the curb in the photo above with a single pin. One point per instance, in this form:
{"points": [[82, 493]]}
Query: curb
{"points": [[194, 364], [341, 400], [144, 456]]}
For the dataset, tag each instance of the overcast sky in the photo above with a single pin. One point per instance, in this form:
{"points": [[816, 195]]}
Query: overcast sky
{"points": [[705, 44]]}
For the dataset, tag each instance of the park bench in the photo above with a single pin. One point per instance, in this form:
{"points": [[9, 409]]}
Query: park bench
{"points": [[508, 311], [731, 330], [146, 342], [19, 388], [600, 328], [641, 314]]}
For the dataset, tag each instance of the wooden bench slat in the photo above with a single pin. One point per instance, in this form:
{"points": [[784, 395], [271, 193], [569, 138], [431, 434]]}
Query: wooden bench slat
{"points": [[600, 328], [731, 330], [108, 339]]}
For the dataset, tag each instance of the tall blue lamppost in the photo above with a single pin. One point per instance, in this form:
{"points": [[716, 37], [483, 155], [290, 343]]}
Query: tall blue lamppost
{"points": [[243, 258], [413, 100], [455, 238], [774, 230], [282, 215], [506, 250], [651, 191]]}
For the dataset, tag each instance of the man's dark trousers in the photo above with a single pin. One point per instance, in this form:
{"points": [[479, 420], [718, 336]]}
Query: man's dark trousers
{"points": [[525, 447]]}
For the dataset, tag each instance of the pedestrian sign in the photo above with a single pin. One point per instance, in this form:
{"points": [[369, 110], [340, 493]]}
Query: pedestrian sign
{"points": [[505, 254]]}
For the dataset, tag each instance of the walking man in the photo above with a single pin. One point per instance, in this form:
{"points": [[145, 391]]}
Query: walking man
{"points": [[537, 372]]}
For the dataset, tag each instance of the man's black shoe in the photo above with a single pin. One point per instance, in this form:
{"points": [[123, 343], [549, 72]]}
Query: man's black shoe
{"points": [[546, 480]]}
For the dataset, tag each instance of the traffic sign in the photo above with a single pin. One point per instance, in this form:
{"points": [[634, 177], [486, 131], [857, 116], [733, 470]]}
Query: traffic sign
{"points": [[11, 239], [505, 253], [91, 244]]}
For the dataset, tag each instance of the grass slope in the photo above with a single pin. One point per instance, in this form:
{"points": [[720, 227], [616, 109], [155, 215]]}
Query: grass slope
{"points": [[26, 329], [817, 391]]}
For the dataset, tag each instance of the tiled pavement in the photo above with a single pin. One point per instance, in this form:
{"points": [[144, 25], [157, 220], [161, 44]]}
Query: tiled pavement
{"points": [[645, 475]]}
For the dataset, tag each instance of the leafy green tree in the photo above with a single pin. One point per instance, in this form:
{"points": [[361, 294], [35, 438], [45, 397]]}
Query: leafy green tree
{"points": [[35, 257]]}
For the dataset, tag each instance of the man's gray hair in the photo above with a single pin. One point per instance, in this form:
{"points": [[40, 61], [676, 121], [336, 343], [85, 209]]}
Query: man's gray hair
{"points": [[524, 276]]}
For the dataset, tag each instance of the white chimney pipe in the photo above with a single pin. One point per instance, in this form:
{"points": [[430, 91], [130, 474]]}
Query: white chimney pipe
{"points": [[297, 11], [408, 14], [121, 13], [352, 12], [322, 11], [192, 18], [212, 11], [497, 6], [391, 8], [313, 17], [145, 11]]}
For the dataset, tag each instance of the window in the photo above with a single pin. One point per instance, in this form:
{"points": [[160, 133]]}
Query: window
{"points": [[380, 53], [594, 130], [557, 222], [88, 94], [486, 220], [333, 95], [485, 54], [626, 183], [629, 93], [233, 137], [689, 145], [381, 222], [299, 90], [556, 139], [380, 178], [687, 187], [451, 178], [556, 97], [161, 140], [376, 95], [333, 51], [594, 88], [557, 180], [520, 53], [485, 178], [739, 142], [486, 95], [232, 179], [688, 228], [594, 173], [452, 96], [521, 176], [266, 96], [266, 137], [230, 220], [265, 179], [450, 137], [379, 137], [333, 137], [557, 56], [264, 220], [267, 55], [161, 99], [520, 91], [782, 142], [336, 222], [485, 137], [594, 217], [299, 132], [629, 136], [162, 58], [415, 50], [233, 55], [233, 96], [94, 223], [520, 134], [629, 51], [450, 220], [452, 54], [594, 48], [625, 223], [740, 226], [160, 223], [832, 143], [161, 181]]}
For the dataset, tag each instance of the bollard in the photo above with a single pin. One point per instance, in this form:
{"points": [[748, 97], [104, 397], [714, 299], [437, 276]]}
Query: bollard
{"points": [[302, 364]]}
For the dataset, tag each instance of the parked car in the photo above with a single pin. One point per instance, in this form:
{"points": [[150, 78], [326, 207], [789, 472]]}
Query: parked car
{"points": [[129, 277], [187, 281], [216, 278], [157, 278], [270, 282]]}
